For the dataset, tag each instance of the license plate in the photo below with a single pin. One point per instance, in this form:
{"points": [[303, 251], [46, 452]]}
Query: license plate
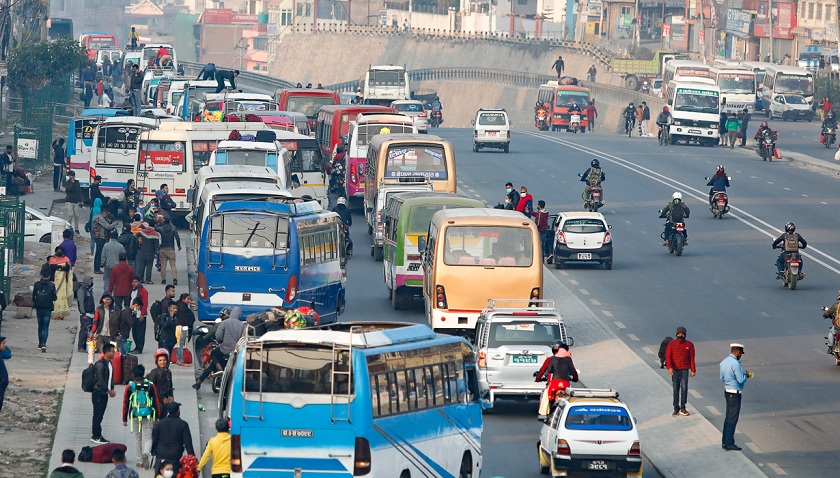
{"points": [[584, 256], [721, 202], [598, 465], [794, 264], [694, 131], [596, 195], [492, 133], [525, 359]]}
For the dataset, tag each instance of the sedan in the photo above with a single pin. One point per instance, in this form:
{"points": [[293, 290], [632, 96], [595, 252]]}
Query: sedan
{"points": [[413, 109], [793, 107], [38, 226], [582, 237]]}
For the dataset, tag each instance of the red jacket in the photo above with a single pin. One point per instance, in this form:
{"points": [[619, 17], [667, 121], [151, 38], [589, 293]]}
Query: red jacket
{"points": [[121, 275], [541, 218], [143, 294], [523, 201], [679, 355]]}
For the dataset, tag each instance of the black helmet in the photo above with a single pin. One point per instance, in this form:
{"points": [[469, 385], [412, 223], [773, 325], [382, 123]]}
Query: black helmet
{"points": [[224, 313], [595, 163], [790, 227], [720, 169], [559, 344]]}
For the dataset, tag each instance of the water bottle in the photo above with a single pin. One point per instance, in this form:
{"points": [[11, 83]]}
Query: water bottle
{"points": [[91, 349], [127, 346]]}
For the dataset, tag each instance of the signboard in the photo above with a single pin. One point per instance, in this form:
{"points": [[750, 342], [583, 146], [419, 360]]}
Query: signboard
{"points": [[118, 137], [690, 91], [226, 16], [678, 32], [594, 10], [784, 20], [666, 30], [27, 148], [702, 36], [738, 21]]}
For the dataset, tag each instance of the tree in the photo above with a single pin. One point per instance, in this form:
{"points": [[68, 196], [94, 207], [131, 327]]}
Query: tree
{"points": [[33, 66]]}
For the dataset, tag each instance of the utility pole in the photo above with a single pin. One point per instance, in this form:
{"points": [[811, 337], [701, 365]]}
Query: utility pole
{"points": [[45, 14], [702, 34], [637, 18], [770, 20]]}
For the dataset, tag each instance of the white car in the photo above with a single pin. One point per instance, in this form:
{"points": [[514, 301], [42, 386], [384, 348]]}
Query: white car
{"points": [[414, 110], [491, 129], [790, 107], [582, 237], [38, 226], [590, 432], [656, 87]]}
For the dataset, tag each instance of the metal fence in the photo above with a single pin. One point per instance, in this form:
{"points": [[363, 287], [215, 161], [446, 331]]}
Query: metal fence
{"points": [[12, 221]]}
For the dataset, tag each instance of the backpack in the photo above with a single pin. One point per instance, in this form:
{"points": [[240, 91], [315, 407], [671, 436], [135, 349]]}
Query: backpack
{"points": [[42, 296], [141, 402], [791, 242], [155, 310], [86, 455], [88, 379], [594, 176], [677, 213]]}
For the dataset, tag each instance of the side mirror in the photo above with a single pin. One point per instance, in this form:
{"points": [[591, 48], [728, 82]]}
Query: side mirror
{"points": [[295, 181], [485, 400], [472, 122], [609, 226], [580, 175], [383, 215], [190, 194], [421, 244], [570, 341]]}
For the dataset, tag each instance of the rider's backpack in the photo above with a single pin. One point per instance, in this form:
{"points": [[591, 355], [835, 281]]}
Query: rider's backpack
{"points": [[594, 176], [677, 212], [140, 402], [791, 242]]}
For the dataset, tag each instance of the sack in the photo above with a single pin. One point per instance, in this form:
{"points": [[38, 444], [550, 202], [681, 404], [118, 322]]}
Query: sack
{"points": [[86, 455], [102, 453], [267, 136], [23, 299], [677, 212], [88, 380], [545, 403], [187, 356], [837, 155], [140, 401], [234, 136]]}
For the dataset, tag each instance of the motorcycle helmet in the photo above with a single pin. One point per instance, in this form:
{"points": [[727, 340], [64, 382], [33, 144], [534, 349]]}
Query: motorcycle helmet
{"points": [[790, 227], [763, 124], [559, 344], [720, 169], [831, 115], [160, 352], [676, 196], [595, 163], [225, 313], [341, 200], [665, 109]]}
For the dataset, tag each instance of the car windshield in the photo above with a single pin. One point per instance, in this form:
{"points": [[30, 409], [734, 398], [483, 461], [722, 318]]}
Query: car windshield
{"points": [[795, 100], [584, 226], [697, 101], [598, 417], [523, 332], [409, 107], [804, 85]]}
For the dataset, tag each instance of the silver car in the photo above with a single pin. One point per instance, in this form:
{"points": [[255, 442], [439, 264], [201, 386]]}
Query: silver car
{"points": [[415, 110]]}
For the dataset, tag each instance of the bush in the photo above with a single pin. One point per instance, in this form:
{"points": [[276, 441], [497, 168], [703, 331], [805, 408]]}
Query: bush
{"points": [[35, 65]]}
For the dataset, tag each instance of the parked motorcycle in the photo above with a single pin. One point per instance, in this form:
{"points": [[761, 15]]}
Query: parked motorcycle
{"points": [[203, 334], [792, 273], [436, 119], [833, 343], [574, 122], [828, 136], [541, 119], [767, 146]]}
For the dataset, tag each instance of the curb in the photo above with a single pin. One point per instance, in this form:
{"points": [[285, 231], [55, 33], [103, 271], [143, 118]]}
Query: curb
{"points": [[806, 161]]}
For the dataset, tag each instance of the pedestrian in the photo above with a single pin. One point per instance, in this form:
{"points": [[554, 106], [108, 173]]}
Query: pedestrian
{"points": [[822, 62], [744, 118], [43, 300], [73, 200], [106, 323], [103, 388], [663, 346], [61, 274], [541, 219], [161, 376], [208, 72], [88, 94], [121, 470], [120, 282], [734, 378], [135, 84], [111, 251], [733, 126], [100, 90], [219, 448], [69, 247], [106, 66], [95, 192], [141, 408], [133, 37], [591, 114], [168, 238], [87, 311], [230, 76], [171, 437], [165, 200], [559, 65], [165, 469], [58, 162], [7, 164], [526, 202], [149, 241], [679, 358], [168, 298], [131, 196], [95, 210], [125, 323], [825, 107], [3, 305], [645, 119], [512, 195], [67, 470], [167, 324], [5, 354], [129, 243], [103, 226], [722, 128], [592, 72], [639, 115], [184, 320], [139, 330]]}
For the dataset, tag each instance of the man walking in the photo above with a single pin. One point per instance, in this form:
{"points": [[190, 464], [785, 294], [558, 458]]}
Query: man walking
{"points": [[744, 118], [135, 84], [141, 408], [222, 75], [591, 114], [129, 243], [168, 238], [139, 330], [73, 200], [43, 298], [120, 282], [67, 470], [103, 226], [645, 119], [171, 437], [559, 65], [149, 240], [58, 163], [103, 388], [679, 358], [111, 257], [87, 310], [734, 378]]}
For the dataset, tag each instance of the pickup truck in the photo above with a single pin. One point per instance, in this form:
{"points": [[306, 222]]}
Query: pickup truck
{"points": [[634, 71]]}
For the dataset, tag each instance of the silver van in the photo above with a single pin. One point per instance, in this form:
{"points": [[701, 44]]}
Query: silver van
{"points": [[491, 130], [513, 339]]}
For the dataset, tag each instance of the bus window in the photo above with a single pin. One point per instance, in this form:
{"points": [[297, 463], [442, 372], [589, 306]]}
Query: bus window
{"points": [[367, 131], [306, 161], [419, 219], [163, 156], [407, 161], [488, 245], [248, 231], [308, 105], [387, 77], [295, 370], [201, 154]]}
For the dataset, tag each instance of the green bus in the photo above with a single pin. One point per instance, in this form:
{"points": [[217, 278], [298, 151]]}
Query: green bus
{"points": [[407, 217]]}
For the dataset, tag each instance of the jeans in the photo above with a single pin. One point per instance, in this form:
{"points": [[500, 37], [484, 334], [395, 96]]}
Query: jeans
{"points": [[138, 332], [680, 383], [73, 213], [208, 75], [182, 342], [733, 411], [57, 175], [134, 100], [145, 264], [591, 124], [100, 403], [97, 257], [220, 84], [121, 344], [84, 324], [546, 242], [44, 316], [744, 135], [122, 301], [106, 278]]}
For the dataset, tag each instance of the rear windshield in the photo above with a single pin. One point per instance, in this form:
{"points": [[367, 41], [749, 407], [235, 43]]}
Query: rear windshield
{"points": [[497, 246], [416, 160], [237, 157], [584, 226], [492, 119], [420, 217], [249, 232], [598, 417], [410, 107], [530, 332], [298, 370]]}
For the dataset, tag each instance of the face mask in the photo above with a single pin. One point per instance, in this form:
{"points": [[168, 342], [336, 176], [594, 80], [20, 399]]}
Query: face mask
{"points": [[168, 473], [508, 189], [523, 193]]}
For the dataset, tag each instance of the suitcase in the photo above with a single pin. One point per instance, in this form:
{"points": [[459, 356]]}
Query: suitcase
{"points": [[129, 361], [116, 364], [266, 136], [188, 359]]}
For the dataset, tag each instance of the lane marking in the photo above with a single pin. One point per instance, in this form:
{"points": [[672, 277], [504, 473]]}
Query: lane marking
{"points": [[769, 182], [752, 446], [695, 393], [805, 196], [594, 301], [564, 273], [648, 350], [607, 313], [620, 325], [753, 177], [573, 282], [778, 469], [714, 411], [824, 203], [787, 189], [633, 337], [583, 291], [764, 314], [740, 298]]}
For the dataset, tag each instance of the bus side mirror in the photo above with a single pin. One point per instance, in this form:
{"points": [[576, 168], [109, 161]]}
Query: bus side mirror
{"points": [[190, 194], [421, 244], [485, 400], [671, 101], [383, 216], [295, 181]]}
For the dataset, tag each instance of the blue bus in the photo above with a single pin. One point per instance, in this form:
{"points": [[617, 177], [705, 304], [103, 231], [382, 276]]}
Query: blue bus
{"points": [[258, 255], [80, 140], [349, 399]]}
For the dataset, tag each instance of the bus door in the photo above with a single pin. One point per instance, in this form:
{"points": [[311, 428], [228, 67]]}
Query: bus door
{"points": [[307, 176]]}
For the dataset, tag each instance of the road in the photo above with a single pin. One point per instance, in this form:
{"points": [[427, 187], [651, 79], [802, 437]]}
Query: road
{"points": [[797, 136]]}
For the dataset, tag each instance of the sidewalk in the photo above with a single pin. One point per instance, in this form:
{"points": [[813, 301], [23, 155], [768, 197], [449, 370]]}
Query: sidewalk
{"points": [[805, 160], [677, 447]]}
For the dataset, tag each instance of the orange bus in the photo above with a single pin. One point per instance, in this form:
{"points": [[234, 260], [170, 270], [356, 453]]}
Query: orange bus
{"points": [[333, 123], [305, 100], [559, 99]]}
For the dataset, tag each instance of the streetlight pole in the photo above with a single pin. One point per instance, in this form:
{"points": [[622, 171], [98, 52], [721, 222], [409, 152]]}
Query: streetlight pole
{"points": [[638, 19], [770, 20]]}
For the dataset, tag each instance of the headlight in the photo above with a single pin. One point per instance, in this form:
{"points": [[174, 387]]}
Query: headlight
{"points": [[677, 123]]}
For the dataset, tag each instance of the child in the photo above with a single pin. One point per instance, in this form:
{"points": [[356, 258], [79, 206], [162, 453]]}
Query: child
{"points": [[166, 469], [161, 377], [141, 407]]}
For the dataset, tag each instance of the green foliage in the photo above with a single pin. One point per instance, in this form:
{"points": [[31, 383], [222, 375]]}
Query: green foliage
{"points": [[34, 65]]}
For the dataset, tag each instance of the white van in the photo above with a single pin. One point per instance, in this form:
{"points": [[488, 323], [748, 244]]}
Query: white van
{"points": [[230, 173], [491, 130]]}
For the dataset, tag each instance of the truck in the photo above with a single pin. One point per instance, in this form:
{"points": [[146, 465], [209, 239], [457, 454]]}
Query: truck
{"points": [[634, 71]]}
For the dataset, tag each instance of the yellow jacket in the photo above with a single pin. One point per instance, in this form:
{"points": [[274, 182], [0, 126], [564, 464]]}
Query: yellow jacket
{"points": [[219, 447]]}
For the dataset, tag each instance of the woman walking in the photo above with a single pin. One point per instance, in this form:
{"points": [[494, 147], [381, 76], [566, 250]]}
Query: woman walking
{"points": [[96, 209], [62, 277]]}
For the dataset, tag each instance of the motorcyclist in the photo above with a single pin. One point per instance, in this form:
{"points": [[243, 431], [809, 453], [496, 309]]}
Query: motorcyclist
{"points": [[664, 118], [541, 375], [629, 115], [675, 211], [830, 121], [719, 182], [343, 212], [832, 313], [538, 106], [789, 242], [437, 109], [228, 334], [765, 127], [592, 177]]}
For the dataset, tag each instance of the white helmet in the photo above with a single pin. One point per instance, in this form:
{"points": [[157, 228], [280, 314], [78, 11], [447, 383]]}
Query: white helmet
{"points": [[677, 195], [341, 200]]}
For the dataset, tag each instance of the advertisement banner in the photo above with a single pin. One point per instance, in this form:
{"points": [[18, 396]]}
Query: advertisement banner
{"points": [[784, 20], [164, 161], [666, 30], [27, 148], [738, 21]]}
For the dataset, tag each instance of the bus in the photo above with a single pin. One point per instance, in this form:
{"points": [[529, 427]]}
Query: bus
{"points": [[809, 57], [80, 141], [365, 127], [305, 100], [95, 41], [258, 255], [333, 124], [114, 153], [686, 70], [281, 119], [780, 80], [175, 95], [407, 218], [381, 85], [559, 100], [236, 103], [175, 151], [353, 399], [737, 89], [222, 174], [695, 108], [496, 248]]}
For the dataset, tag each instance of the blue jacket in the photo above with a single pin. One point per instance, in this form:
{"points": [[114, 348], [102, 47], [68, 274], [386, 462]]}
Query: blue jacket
{"points": [[4, 374], [719, 182], [732, 373]]}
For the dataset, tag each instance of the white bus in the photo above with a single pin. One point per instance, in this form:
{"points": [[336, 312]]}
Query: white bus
{"points": [[180, 93], [308, 175], [779, 80], [686, 70], [696, 111], [383, 84], [737, 88], [114, 152]]}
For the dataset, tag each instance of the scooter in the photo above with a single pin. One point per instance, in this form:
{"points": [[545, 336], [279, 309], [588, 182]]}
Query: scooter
{"points": [[436, 119], [792, 273], [541, 120], [829, 136], [645, 87], [720, 204], [574, 122], [338, 179], [833, 344]]}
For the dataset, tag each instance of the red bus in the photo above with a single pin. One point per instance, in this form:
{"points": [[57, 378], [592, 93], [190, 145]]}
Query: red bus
{"points": [[95, 41], [305, 100], [333, 122], [559, 99]]}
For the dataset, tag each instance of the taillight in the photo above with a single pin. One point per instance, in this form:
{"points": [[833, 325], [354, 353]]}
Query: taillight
{"points": [[354, 178], [414, 257], [361, 460], [635, 449], [202, 286], [235, 454], [440, 296], [508, 134], [607, 237], [378, 218], [422, 114], [561, 238], [562, 448], [291, 290], [482, 358], [92, 174]]}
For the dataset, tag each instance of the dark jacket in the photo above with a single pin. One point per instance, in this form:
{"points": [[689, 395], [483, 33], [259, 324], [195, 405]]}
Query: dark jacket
{"points": [[344, 213], [562, 368], [126, 322], [4, 374], [719, 182], [96, 193], [66, 472], [84, 299], [43, 304], [101, 384], [162, 378], [666, 211], [629, 112], [646, 113], [167, 338], [72, 192], [113, 320], [781, 239], [130, 244], [514, 198], [149, 240], [222, 75], [167, 204], [184, 316], [170, 437], [70, 250], [168, 236], [136, 80]]}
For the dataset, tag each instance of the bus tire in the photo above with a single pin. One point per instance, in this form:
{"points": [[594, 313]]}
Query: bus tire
{"points": [[377, 253], [466, 470], [396, 299]]}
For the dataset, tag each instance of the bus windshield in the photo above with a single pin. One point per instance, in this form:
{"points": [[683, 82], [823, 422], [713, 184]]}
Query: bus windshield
{"points": [[488, 245], [736, 83], [298, 370], [697, 101], [249, 231], [367, 131], [308, 105], [569, 98], [386, 77], [420, 160], [801, 84]]}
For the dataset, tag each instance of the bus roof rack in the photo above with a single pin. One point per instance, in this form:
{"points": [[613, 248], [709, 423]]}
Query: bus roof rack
{"points": [[358, 334], [593, 393], [530, 304]]}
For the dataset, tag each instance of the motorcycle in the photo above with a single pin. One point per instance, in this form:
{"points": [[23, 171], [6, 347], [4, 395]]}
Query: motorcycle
{"points": [[828, 136], [720, 204], [574, 122], [596, 193], [541, 121], [833, 349], [645, 87], [792, 273], [346, 244], [767, 146], [203, 335], [436, 119], [676, 238]]}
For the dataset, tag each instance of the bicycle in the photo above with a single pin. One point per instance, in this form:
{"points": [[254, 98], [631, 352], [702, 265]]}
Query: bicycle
{"points": [[664, 134], [629, 123]]}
